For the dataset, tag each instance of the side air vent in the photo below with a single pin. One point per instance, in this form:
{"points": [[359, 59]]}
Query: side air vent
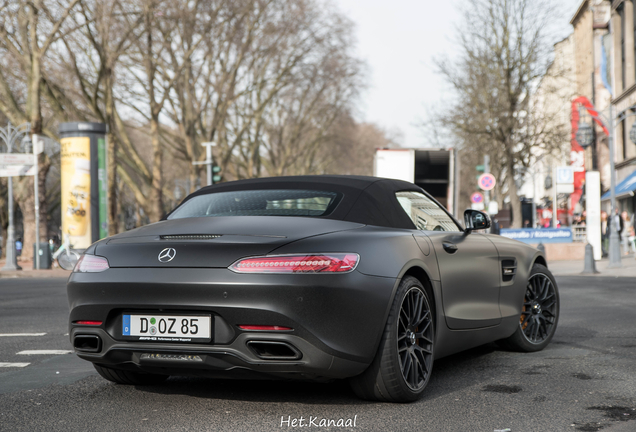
{"points": [[508, 270], [190, 237]]}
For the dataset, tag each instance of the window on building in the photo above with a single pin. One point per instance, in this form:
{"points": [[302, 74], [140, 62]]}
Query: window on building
{"points": [[634, 31], [621, 14]]}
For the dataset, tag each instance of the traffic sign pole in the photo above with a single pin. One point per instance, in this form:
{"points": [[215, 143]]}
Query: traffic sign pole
{"points": [[486, 171], [36, 179], [10, 136]]}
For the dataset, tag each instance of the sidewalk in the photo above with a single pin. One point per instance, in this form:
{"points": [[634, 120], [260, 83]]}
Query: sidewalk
{"points": [[558, 268], [572, 268], [28, 271]]}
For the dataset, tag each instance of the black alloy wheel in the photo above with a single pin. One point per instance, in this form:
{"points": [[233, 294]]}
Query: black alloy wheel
{"points": [[415, 339], [538, 315], [403, 363]]}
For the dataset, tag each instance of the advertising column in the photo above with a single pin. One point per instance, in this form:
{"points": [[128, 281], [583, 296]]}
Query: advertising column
{"points": [[84, 183]]}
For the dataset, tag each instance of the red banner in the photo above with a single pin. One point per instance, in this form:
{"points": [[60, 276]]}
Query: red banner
{"points": [[577, 154]]}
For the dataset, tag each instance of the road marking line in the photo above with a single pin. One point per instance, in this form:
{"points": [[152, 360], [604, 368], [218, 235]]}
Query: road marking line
{"points": [[49, 352], [14, 364], [20, 334]]}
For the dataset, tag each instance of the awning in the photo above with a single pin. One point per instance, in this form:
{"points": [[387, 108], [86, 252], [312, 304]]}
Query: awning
{"points": [[624, 189]]}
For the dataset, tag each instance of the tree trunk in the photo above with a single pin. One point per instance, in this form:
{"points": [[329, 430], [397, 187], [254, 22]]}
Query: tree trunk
{"points": [[27, 206], [113, 213], [515, 204], [43, 169], [156, 193]]}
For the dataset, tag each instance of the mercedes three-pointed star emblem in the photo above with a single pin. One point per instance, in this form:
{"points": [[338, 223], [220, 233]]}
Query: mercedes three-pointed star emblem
{"points": [[167, 255]]}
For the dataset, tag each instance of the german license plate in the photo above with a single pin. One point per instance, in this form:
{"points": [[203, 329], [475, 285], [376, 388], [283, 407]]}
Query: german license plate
{"points": [[167, 328]]}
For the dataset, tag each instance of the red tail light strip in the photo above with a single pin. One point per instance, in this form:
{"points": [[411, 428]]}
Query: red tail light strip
{"points": [[307, 263], [91, 264], [93, 323]]}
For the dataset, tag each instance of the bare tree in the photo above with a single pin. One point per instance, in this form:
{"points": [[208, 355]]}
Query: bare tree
{"points": [[27, 31], [505, 51]]}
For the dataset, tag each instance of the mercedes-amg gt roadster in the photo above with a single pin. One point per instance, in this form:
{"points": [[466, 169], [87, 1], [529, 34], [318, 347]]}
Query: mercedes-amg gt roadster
{"points": [[308, 277]]}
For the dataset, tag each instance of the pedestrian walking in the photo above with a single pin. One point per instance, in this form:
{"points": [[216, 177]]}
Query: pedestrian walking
{"points": [[18, 247], [625, 232], [617, 224], [604, 233]]}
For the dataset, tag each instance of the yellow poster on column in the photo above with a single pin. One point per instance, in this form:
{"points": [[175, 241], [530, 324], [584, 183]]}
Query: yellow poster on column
{"points": [[76, 191]]}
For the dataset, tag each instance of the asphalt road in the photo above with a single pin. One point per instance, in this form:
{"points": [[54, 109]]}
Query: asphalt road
{"points": [[584, 381]]}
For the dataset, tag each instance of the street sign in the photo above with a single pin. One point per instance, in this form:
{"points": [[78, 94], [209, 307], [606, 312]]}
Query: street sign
{"points": [[564, 188], [493, 208], [477, 206], [16, 170], [486, 181], [565, 175], [16, 159], [477, 198]]}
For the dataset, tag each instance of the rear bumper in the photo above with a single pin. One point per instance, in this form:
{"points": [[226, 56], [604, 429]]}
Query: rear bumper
{"points": [[337, 320]]}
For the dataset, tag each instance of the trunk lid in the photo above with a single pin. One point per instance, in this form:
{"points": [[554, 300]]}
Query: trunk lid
{"points": [[212, 242]]}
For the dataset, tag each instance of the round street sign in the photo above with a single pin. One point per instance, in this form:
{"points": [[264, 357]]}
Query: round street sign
{"points": [[477, 198], [486, 182]]}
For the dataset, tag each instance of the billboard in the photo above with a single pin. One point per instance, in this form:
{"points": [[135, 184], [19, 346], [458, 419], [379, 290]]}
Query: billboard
{"points": [[76, 190], [84, 183]]}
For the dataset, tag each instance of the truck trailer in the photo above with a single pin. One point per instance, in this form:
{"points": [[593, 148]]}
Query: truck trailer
{"points": [[433, 169]]}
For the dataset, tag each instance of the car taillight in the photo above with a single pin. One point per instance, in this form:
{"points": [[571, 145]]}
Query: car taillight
{"points": [[93, 323], [91, 264], [308, 263]]}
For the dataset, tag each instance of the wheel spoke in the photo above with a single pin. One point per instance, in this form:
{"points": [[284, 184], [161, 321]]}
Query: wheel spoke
{"points": [[422, 349], [543, 306], [420, 334], [526, 320], [425, 339], [406, 368], [422, 361], [417, 312], [542, 289], [404, 320]]}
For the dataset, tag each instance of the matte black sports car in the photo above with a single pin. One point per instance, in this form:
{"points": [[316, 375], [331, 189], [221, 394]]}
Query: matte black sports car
{"points": [[316, 277]]}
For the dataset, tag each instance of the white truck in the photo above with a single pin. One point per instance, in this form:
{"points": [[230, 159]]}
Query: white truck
{"points": [[435, 170]]}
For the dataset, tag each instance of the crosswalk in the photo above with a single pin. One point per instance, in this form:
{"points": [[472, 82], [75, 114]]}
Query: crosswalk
{"points": [[33, 352], [16, 365], [21, 334]]}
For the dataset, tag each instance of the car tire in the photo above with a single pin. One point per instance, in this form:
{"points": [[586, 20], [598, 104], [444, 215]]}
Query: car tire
{"points": [[539, 313], [128, 377], [408, 339]]}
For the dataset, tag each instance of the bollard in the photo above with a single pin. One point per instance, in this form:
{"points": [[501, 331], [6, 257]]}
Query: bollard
{"points": [[590, 264], [542, 249]]}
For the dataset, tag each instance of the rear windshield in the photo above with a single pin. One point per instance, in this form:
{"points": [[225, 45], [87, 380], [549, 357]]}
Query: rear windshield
{"points": [[275, 202]]}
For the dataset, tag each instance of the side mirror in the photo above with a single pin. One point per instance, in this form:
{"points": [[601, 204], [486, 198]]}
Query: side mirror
{"points": [[476, 220]]}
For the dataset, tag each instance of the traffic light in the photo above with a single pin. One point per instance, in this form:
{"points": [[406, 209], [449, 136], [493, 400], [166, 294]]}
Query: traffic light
{"points": [[216, 177]]}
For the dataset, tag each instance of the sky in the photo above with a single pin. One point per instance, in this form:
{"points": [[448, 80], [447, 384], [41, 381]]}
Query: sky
{"points": [[398, 43]]}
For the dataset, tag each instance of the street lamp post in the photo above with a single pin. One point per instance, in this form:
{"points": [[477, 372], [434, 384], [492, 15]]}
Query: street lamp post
{"points": [[10, 136], [614, 240]]}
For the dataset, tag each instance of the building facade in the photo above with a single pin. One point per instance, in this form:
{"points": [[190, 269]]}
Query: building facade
{"points": [[552, 102], [623, 28], [592, 53]]}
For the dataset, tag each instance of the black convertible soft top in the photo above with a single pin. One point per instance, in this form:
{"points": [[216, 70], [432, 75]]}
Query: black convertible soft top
{"points": [[366, 200]]}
